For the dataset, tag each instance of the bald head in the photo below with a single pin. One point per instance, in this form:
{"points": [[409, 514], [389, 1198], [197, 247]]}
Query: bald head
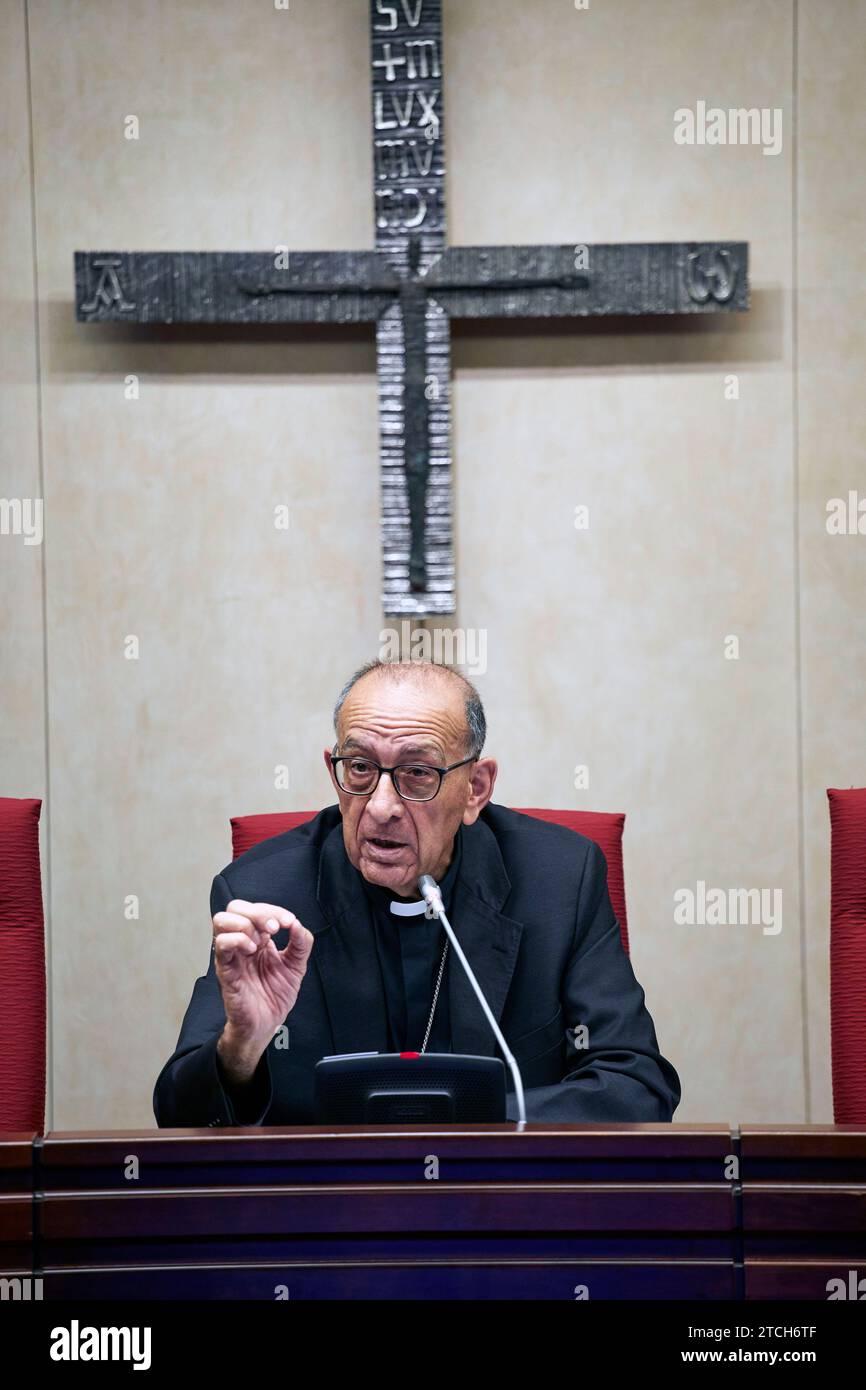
{"points": [[428, 676]]}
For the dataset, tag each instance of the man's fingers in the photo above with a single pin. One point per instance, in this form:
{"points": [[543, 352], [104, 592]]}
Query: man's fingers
{"points": [[233, 921], [264, 921], [228, 942], [256, 924], [298, 946], [259, 913]]}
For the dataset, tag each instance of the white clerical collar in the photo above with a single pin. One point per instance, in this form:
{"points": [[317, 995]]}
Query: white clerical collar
{"points": [[409, 909]]}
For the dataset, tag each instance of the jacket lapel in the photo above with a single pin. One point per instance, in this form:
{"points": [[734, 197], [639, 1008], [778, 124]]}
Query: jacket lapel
{"points": [[346, 959], [344, 953], [490, 941]]}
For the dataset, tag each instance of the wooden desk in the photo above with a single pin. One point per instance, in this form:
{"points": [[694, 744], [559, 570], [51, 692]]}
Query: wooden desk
{"points": [[629, 1211]]}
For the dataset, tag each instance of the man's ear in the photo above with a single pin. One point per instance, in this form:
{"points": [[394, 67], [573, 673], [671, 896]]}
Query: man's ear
{"points": [[481, 785], [329, 766]]}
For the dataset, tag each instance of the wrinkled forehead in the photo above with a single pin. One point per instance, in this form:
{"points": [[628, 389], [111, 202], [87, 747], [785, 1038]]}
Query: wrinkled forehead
{"points": [[407, 710]]}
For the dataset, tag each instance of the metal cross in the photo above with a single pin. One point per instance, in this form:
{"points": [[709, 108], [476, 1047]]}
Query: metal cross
{"points": [[411, 286]]}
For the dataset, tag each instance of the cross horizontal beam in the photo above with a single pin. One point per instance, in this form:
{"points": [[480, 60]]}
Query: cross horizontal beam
{"points": [[221, 287], [359, 286], [666, 277]]}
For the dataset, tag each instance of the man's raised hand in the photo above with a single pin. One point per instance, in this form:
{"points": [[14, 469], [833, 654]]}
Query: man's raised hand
{"points": [[259, 984]]}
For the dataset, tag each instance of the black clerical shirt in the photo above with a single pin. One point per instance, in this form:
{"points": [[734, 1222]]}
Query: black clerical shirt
{"points": [[410, 954]]}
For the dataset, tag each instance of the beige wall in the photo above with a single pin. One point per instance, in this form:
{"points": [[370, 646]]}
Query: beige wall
{"points": [[605, 647]]}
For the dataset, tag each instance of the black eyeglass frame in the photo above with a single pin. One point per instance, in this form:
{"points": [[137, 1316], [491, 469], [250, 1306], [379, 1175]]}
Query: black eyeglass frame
{"points": [[347, 757]]}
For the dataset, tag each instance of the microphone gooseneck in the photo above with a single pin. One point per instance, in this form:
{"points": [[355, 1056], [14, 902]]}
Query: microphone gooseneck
{"points": [[431, 893]]}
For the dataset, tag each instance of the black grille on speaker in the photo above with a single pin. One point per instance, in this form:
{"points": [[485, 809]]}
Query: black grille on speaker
{"points": [[387, 1089]]}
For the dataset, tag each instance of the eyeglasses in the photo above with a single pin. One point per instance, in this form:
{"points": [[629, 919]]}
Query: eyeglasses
{"points": [[412, 781]]}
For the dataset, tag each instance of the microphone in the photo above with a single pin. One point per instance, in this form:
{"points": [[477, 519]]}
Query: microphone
{"points": [[430, 892]]}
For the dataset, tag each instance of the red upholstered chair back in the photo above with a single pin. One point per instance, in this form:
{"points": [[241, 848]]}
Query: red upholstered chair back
{"points": [[602, 827], [22, 968], [848, 953]]}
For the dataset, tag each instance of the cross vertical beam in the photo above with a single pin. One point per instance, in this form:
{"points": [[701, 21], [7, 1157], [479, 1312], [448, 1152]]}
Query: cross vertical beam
{"points": [[413, 338]]}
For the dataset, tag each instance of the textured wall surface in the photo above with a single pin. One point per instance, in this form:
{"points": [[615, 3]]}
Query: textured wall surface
{"points": [[606, 647]]}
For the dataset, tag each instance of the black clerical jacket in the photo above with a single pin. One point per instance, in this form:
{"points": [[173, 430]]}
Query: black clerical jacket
{"points": [[532, 912]]}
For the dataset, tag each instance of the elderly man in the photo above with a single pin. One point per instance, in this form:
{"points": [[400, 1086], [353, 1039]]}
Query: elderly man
{"points": [[321, 930]]}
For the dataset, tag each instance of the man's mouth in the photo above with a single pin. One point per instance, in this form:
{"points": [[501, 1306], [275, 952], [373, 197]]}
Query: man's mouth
{"points": [[384, 845]]}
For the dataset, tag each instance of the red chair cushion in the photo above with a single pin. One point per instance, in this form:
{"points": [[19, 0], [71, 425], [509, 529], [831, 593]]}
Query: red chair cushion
{"points": [[605, 828], [251, 830], [848, 953], [22, 968], [602, 827]]}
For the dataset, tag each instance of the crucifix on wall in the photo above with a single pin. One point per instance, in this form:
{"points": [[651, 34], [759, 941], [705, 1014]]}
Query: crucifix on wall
{"points": [[410, 287]]}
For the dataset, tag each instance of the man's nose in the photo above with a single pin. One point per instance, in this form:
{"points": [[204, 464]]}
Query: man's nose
{"points": [[384, 801]]}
